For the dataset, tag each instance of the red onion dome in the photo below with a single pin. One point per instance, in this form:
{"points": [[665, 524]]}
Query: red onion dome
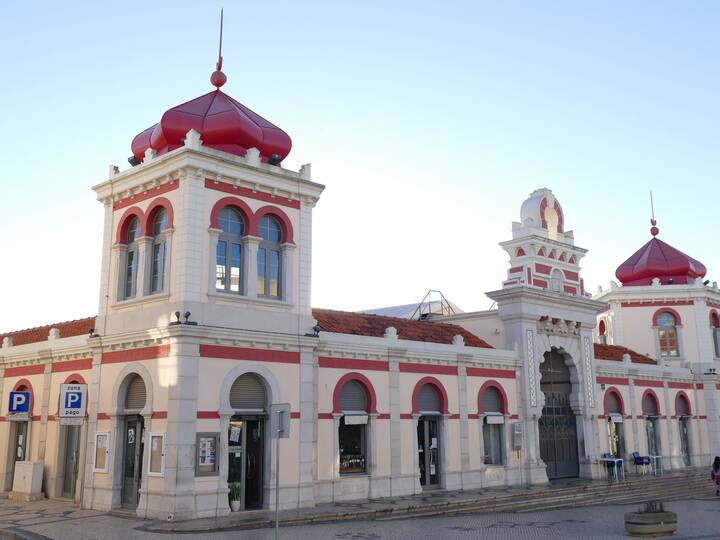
{"points": [[223, 123], [656, 259]]}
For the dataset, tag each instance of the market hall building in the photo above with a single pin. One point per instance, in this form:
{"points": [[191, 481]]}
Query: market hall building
{"points": [[205, 322]]}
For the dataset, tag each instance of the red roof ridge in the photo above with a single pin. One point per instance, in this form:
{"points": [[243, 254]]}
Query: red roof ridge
{"points": [[370, 324], [615, 353]]}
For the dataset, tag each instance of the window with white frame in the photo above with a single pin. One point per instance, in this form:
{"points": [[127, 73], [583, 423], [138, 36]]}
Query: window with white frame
{"points": [[352, 431], [131, 259], [228, 258], [158, 255], [556, 280], [268, 258], [156, 463], [668, 334], [493, 423]]}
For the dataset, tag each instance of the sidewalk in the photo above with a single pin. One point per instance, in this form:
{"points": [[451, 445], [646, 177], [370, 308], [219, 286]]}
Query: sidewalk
{"points": [[442, 502]]}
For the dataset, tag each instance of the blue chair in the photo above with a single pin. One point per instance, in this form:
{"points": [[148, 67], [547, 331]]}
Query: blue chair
{"points": [[641, 461]]}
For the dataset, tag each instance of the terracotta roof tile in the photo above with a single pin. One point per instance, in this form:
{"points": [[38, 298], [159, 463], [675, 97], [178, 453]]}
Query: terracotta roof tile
{"points": [[616, 352], [363, 324], [40, 333]]}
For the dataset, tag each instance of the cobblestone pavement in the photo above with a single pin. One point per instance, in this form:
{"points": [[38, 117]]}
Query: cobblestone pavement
{"points": [[699, 520]]}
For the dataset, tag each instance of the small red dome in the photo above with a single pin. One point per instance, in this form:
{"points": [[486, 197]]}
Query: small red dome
{"points": [[656, 259], [223, 123]]}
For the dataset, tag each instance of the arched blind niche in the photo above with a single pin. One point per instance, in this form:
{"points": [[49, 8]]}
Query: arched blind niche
{"points": [[248, 393], [353, 398], [613, 404], [428, 400], [491, 401], [136, 394], [682, 406]]}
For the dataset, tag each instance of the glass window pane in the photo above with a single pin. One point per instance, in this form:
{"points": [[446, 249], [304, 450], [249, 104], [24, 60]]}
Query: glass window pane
{"points": [[220, 260], [160, 222], [492, 438], [274, 273], [130, 274], [352, 447], [663, 342], [270, 229], [231, 221], [261, 271], [155, 284], [235, 268], [133, 231], [666, 319], [672, 342]]}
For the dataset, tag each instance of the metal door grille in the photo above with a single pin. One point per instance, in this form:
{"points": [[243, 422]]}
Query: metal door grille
{"points": [[558, 430], [352, 397], [136, 394], [429, 399]]}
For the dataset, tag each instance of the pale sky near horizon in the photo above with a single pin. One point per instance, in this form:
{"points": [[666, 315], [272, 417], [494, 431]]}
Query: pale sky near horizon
{"points": [[428, 122]]}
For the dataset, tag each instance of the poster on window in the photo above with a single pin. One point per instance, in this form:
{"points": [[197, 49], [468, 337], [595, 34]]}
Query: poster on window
{"points": [[235, 434], [206, 458], [207, 451]]}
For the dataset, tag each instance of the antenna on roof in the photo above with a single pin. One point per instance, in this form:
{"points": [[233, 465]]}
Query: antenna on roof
{"points": [[653, 230], [218, 78]]}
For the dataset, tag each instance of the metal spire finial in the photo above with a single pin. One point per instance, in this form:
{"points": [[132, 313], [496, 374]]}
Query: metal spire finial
{"points": [[218, 78], [653, 230]]}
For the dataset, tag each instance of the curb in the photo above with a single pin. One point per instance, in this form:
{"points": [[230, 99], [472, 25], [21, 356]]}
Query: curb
{"points": [[19, 534]]}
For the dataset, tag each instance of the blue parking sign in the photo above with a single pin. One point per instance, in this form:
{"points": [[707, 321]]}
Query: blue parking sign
{"points": [[72, 403], [19, 402]]}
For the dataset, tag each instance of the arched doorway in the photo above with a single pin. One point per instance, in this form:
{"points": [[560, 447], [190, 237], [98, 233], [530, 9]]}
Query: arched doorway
{"points": [[429, 405], [614, 412], [134, 401], [683, 414], [558, 430], [246, 438]]}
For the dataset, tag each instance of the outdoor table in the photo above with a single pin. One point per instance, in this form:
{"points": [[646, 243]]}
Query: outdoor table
{"points": [[616, 462]]}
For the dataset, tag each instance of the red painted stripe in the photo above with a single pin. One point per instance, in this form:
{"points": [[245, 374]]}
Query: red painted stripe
{"points": [[491, 373], [295, 414], [572, 276], [406, 416], [383, 416], [103, 416], [325, 416], [699, 386], [529, 275], [72, 365], [207, 415], [569, 289], [243, 353], [159, 414], [153, 192], [351, 363], [540, 283], [514, 417], [454, 417], [473, 416], [134, 355], [36, 418], [612, 380], [516, 269], [2, 418], [713, 305], [684, 385], [51, 417], [246, 192], [650, 384], [702, 417], [542, 269], [406, 367], [602, 417], [25, 370], [658, 304]]}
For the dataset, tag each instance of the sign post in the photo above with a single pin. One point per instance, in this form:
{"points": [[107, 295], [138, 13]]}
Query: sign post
{"points": [[72, 404], [280, 423]]}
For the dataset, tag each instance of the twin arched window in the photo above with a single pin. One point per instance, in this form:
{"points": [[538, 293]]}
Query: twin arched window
{"points": [[229, 254], [667, 334]]}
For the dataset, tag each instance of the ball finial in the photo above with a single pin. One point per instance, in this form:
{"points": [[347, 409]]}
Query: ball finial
{"points": [[218, 78], [654, 230]]}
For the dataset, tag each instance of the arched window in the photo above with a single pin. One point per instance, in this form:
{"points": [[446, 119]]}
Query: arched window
{"points": [[651, 412], [159, 251], [602, 332], [131, 259], [352, 431], [268, 259], [228, 269], [556, 281], [667, 333], [614, 410], [493, 422], [715, 324]]}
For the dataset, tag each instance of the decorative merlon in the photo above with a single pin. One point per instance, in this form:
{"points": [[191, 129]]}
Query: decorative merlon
{"points": [[113, 170], [391, 332], [193, 140], [7, 342], [54, 334], [149, 155], [458, 340], [252, 157], [306, 171]]}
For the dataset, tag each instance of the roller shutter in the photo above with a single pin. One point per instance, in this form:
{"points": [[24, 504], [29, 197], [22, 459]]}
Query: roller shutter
{"points": [[248, 392], [353, 397], [428, 400], [136, 395], [613, 404], [491, 401], [648, 406]]}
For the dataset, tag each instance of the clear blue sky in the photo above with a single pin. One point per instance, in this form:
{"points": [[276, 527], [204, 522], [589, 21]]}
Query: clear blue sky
{"points": [[429, 122]]}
